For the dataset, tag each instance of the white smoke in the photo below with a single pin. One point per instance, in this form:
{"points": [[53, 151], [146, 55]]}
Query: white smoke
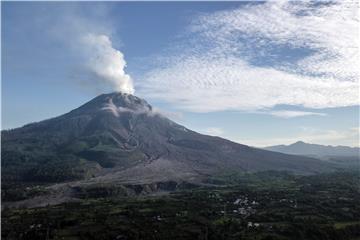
{"points": [[117, 111], [105, 62]]}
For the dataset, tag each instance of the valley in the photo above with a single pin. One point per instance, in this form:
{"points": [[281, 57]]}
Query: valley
{"points": [[266, 205]]}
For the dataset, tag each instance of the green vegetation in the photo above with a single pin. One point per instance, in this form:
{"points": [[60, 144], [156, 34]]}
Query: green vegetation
{"points": [[31, 160], [269, 205]]}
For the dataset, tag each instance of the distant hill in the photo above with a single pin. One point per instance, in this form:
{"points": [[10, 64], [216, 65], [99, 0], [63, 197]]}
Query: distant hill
{"points": [[316, 150]]}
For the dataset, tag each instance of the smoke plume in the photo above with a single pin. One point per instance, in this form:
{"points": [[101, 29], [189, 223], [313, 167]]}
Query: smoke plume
{"points": [[105, 62]]}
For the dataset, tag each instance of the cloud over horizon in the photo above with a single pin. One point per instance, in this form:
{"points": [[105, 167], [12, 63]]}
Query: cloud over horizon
{"points": [[259, 56], [348, 137], [292, 114], [213, 131]]}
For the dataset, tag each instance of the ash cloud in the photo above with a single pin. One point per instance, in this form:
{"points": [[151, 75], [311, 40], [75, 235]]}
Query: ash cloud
{"points": [[106, 63], [88, 34]]}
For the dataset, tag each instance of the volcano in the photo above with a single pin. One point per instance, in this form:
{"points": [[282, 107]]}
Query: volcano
{"points": [[120, 138]]}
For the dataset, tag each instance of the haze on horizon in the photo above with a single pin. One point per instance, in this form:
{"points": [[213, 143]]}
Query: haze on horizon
{"points": [[258, 73]]}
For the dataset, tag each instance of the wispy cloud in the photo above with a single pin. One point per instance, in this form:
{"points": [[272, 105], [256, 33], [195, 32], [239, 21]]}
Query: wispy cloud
{"points": [[292, 114], [262, 55], [169, 114], [349, 137], [213, 131]]}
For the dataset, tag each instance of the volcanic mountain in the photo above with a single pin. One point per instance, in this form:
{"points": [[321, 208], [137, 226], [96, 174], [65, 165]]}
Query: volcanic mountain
{"points": [[119, 138]]}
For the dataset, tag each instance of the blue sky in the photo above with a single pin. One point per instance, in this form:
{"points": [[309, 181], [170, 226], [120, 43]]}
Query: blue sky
{"points": [[256, 73]]}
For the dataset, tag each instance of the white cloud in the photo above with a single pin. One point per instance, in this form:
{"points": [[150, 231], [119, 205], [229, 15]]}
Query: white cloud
{"points": [[292, 114], [348, 137], [329, 29], [169, 114], [213, 69], [213, 131]]}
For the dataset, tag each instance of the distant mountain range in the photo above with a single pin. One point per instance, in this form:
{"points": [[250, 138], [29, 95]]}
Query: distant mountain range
{"points": [[119, 139], [316, 150]]}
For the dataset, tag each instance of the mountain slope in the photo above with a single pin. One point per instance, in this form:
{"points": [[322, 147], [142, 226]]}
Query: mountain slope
{"points": [[119, 138], [316, 150]]}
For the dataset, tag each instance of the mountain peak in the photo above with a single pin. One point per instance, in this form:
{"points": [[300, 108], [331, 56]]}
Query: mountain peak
{"points": [[125, 102], [116, 103]]}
